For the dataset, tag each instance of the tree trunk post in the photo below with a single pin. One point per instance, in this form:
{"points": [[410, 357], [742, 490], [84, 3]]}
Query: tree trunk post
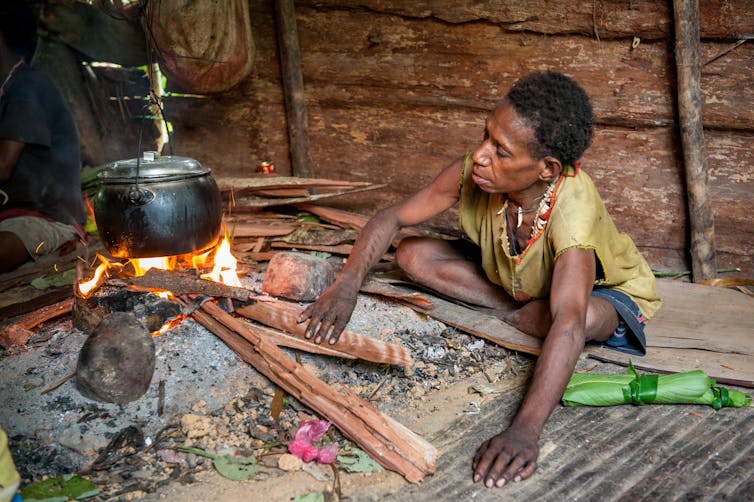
{"points": [[688, 66], [293, 87]]}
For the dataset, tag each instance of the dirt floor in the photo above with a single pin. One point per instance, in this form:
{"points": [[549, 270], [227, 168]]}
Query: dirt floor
{"points": [[213, 401], [460, 391]]}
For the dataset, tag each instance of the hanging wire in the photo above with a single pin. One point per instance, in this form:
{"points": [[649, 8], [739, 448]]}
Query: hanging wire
{"points": [[151, 44]]}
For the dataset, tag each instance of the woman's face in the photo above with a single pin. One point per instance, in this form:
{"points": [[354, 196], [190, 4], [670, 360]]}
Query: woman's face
{"points": [[503, 163]]}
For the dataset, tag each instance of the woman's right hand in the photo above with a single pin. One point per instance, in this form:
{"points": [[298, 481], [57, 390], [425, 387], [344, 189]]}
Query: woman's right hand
{"points": [[329, 315]]}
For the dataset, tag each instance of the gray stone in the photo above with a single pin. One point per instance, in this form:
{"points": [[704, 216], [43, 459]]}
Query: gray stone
{"points": [[117, 361]]}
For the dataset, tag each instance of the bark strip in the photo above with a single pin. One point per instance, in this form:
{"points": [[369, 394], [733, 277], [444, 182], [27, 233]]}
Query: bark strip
{"points": [[284, 316], [391, 444]]}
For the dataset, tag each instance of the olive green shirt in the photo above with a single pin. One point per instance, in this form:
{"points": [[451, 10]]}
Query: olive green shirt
{"points": [[577, 219]]}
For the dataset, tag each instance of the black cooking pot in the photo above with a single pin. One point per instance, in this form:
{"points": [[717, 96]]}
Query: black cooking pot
{"points": [[157, 206]]}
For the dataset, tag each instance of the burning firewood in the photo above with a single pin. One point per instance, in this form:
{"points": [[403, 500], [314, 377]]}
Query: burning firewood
{"points": [[279, 315], [181, 283], [391, 444]]}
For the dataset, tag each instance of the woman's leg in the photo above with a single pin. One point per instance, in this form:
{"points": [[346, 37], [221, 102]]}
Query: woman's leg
{"points": [[441, 266], [534, 319]]}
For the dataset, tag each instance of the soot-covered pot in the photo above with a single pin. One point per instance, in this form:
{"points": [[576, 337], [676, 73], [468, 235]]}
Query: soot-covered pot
{"points": [[157, 206]]}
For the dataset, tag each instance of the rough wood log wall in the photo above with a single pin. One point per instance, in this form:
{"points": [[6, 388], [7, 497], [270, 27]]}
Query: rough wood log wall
{"points": [[395, 90]]}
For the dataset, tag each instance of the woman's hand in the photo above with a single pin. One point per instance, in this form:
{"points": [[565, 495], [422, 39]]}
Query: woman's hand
{"points": [[511, 455], [329, 315]]}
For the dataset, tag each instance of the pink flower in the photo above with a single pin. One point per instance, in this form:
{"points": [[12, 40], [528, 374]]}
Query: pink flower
{"points": [[303, 445], [327, 454]]}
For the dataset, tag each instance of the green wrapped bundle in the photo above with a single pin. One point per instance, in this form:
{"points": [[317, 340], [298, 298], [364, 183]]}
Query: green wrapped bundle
{"points": [[691, 387]]}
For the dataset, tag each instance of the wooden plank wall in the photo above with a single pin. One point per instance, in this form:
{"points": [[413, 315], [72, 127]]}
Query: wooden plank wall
{"points": [[396, 90]]}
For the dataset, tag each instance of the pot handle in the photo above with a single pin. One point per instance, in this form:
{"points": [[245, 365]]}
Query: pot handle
{"points": [[140, 196]]}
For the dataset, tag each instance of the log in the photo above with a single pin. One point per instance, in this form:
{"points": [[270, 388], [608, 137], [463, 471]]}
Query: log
{"points": [[19, 332], [391, 444], [293, 88], [46, 313], [688, 65], [284, 316], [277, 314], [180, 283]]}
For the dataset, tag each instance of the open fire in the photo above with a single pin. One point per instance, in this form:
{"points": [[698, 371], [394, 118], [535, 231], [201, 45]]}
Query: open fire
{"points": [[219, 260]]}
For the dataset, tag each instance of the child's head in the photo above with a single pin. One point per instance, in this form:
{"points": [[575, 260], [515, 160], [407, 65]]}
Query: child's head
{"points": [[558, 111], [18, 25]]}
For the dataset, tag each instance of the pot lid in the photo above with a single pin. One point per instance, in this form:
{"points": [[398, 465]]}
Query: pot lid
{"points": [[153, 167]]}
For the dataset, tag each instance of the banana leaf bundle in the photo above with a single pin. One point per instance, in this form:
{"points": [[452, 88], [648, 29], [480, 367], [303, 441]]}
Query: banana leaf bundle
{"points": [[691, 387]]}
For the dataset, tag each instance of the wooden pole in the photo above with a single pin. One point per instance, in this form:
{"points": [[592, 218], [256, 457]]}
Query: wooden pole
{"points": [[688, 67], [293, 88]]}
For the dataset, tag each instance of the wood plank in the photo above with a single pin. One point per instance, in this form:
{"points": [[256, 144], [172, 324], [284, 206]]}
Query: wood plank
{"points": [[283, 339], [24, 303], [260, 229], [728, 369], [606, 19], [697, 327], [254, 201], [341, 249], [474, 322], [271, 182]]}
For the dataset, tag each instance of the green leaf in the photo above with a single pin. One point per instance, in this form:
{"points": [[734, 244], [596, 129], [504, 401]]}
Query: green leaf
{"points": [[237, 468], [689, 387], [59, 489], [57, 280], [310, 497], [195, 451], [358, 461], [308, 218]]}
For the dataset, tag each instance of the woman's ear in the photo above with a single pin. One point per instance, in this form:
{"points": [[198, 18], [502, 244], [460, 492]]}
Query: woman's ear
{"points": [[551, 168]]}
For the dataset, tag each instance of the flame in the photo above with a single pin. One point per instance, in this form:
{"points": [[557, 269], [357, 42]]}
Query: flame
{"points": [[86, 287], [89, 208], [220, 257], [201, 260], [169, 325], [224, 269], [141, 265]]}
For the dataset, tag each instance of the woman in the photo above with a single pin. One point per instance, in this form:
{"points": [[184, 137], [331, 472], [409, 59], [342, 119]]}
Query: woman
{"points": [[548, 257]]}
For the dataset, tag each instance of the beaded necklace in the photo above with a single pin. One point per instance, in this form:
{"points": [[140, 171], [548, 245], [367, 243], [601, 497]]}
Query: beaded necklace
{"points": [[543, 211], [540, 219]]}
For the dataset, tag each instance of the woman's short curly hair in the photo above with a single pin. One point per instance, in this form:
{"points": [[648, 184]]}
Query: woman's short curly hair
{"points": [[559, 112]]}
